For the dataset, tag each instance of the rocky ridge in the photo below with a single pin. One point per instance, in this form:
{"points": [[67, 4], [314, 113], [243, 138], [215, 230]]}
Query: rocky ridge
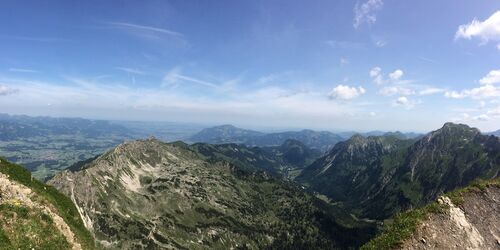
{"points": [[149, 195]]}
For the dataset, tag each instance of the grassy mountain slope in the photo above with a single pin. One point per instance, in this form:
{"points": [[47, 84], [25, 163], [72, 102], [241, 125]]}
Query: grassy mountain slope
{"points": [[149, 194], [379, 176], [353, 169], [34, 215]]}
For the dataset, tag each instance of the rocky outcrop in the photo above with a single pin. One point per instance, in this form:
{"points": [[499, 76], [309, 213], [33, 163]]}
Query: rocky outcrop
{"points": [[472, 224]]}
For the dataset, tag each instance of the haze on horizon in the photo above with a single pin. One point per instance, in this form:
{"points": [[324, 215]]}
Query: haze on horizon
{"points": [[339, 65]]}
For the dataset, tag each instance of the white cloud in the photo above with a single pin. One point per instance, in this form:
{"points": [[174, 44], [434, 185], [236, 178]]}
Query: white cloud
{"points": [[91, 98], [379, 78], [486, 91], [376, 75], [483, 92], [461, 118], [5, 90], [373, 114], [403, 101], [396, 85], [366, 12], [465, 117], [492, 77], [430, 91], [344, 92], [494, 112], [486, 30], [396, 75], [482, 117], [375, 71], [482, 104], [395, 90]]}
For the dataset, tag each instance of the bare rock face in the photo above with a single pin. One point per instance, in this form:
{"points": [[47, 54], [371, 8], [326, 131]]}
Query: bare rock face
{"points": [[474, 224]]}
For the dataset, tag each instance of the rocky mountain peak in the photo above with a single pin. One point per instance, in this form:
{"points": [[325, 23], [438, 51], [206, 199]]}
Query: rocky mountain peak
{"points": [[148, 194], [450, 128], [450, 135]]}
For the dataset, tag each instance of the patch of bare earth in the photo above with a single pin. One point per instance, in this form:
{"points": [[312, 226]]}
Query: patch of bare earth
{"points": [[13, 192], [474, 224]]}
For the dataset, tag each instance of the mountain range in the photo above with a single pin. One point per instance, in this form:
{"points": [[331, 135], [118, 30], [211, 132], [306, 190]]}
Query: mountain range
{"points": [[321, 140], [379, 176], [149, 194], [46, 145], [495, 133]]}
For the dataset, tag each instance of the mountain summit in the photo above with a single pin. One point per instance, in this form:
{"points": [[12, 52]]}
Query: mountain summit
{"points": [[379, 176], [150, 194]]}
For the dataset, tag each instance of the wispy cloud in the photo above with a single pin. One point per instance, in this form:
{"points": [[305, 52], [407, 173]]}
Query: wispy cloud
{"points": [[366, 12], [345, 44], [19, 70], [395, 90], [465, 117], [380, 43], [131, 70], [431, 91], [143, 28], [35, 39], [5, 90], [394, 84], [426, 59], [174, 77], [344, 61], [278, 105], [483, 92]]}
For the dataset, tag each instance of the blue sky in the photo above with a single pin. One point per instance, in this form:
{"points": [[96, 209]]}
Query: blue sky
{"points": [[337, 65]]}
